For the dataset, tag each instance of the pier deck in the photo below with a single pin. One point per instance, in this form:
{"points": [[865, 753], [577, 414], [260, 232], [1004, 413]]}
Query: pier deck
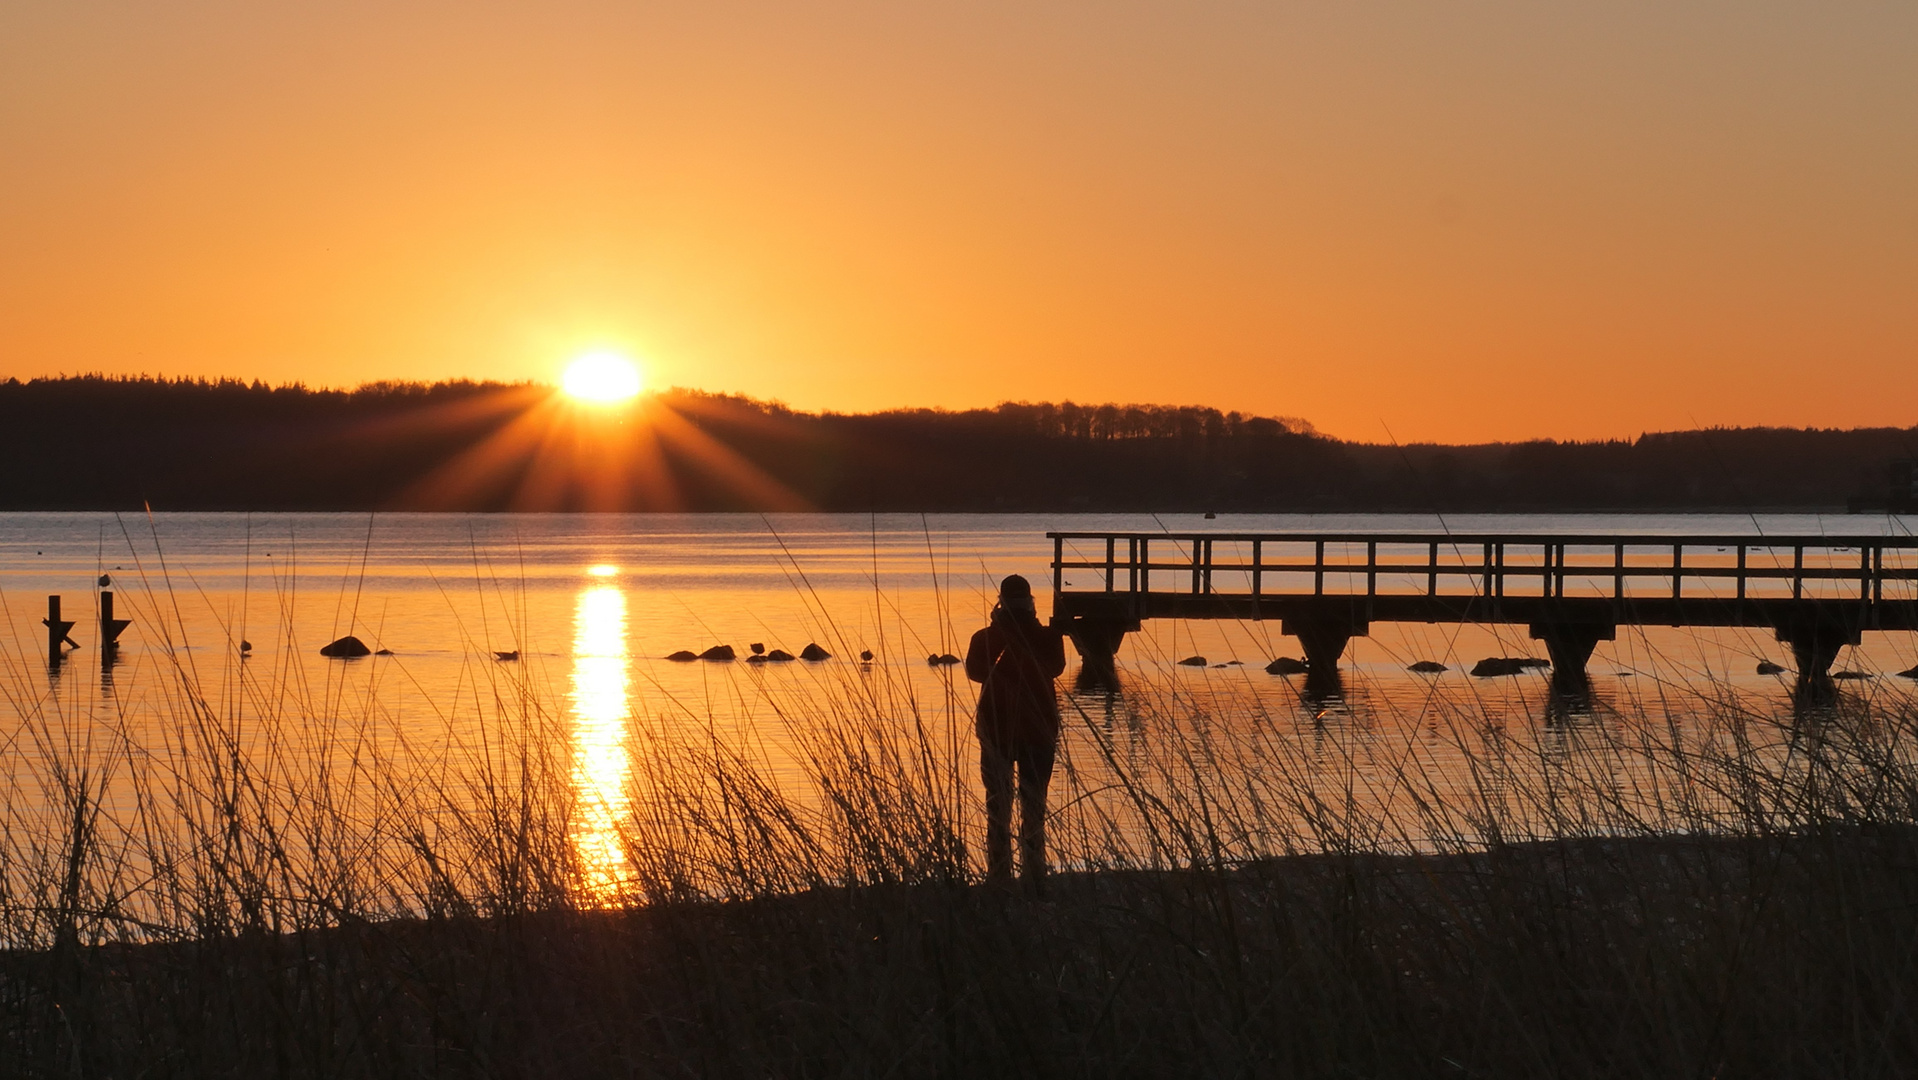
{"points": [[1816, 593]]}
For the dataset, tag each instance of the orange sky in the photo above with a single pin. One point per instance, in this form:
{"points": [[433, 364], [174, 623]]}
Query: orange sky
{"points": [[1458, 221]]}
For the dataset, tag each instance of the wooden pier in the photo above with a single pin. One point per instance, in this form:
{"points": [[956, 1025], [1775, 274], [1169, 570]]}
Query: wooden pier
{"points": [[1815, 593]]}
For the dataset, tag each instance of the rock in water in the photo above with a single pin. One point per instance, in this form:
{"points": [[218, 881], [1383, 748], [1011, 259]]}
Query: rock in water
{"points": [[1910, 673], [1286, 665], [756, 658], [1193, 661], [347, 646], [1428, 667], [1850, 675], [1766, 667], [1493, 666], [942, 659], [757, 647], [779, 655], [383, 652], [683, 656], [813, 652], [866, 655], [507, 654], [718, 652]]}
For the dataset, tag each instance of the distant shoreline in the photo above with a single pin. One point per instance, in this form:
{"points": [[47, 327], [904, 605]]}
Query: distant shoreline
{"points": [[109, 444]]}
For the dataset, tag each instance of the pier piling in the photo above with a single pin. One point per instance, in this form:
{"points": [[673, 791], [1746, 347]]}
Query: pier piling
{"points": [[58, 629], [110, 627]]}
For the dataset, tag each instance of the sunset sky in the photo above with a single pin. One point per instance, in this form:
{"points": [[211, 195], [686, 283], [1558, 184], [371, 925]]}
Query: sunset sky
{"points": [[1416, 220]]}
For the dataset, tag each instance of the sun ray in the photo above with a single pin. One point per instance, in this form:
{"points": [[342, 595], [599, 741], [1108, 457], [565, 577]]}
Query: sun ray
{"points": [[720, 461], [560, 455]]}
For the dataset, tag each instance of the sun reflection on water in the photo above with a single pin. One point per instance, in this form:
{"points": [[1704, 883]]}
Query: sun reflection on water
{"points": [[600, 765]]}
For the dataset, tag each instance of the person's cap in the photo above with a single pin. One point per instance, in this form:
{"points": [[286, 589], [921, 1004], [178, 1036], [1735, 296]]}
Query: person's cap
{"points": [[1015, 586]]}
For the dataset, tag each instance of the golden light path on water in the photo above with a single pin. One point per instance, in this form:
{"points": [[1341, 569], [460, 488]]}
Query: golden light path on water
{"points": [[600, 711]]}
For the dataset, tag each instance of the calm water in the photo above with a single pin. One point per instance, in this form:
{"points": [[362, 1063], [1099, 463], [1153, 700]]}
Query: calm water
{"points": [[593, 603]]}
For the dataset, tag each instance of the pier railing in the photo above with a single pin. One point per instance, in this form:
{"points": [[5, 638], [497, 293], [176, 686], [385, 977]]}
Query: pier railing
{"points": [[1617, 567]]}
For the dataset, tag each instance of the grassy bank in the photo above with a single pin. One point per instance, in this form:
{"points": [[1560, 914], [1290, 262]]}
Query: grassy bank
{"points": [[1791, 956]]}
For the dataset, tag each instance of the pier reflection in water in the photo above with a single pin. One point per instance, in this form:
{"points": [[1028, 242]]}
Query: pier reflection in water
{"points": [[600, 713]]}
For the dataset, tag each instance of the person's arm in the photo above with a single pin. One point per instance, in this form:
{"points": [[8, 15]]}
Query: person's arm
{"points": [[1053, 653], [979, 656]]}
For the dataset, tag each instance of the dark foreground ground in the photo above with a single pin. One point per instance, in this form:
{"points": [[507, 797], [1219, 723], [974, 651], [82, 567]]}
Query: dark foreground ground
{"points": [[1779, 957]]}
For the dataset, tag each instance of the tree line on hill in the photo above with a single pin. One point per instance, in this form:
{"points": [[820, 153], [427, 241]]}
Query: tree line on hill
{"points": [[106, 443]]}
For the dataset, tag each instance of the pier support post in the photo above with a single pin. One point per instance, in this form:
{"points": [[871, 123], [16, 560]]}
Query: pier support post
{"points": [[1814, 645], [1570, 645], [1324, 638], [1098, 642]]}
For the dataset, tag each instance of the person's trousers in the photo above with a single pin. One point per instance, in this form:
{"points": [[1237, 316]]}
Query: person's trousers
{"points": [[1033, 764]]}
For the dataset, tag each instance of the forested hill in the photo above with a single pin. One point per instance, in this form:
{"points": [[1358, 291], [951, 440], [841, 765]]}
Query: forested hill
{"points": [[98, 443]]}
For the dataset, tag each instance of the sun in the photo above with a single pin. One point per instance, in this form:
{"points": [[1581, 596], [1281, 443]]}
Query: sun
{"points": [[605, 377]]}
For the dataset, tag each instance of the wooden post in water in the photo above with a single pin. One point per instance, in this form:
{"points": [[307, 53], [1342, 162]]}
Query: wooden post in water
{"points": [[57, 629], [110, 627]]}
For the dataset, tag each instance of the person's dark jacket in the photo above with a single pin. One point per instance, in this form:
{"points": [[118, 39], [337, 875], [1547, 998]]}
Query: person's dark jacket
{"points": [[1016, 659]]}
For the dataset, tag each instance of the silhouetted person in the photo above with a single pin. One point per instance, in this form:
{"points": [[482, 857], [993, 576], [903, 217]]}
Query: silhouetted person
{"points": [[1016, 659]]}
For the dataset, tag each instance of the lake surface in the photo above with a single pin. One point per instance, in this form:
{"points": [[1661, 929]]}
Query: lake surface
{"points": [[592, 604]]}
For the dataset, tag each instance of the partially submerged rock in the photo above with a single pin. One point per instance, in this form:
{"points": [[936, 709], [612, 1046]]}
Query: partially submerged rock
{"points": [[1766, 667], [1848, 674], [1910, 673], [718, 652], [942, 659], [1506, 665], [683, 656], [779, 656], [348, 646], [1428, 667], [1286, 665], [812, 651], [1193, 661]]}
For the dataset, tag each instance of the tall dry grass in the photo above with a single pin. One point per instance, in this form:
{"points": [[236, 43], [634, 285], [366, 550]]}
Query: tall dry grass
{"points": [[256, 878]]}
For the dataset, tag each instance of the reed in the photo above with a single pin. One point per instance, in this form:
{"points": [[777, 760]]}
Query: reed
{"points": [[262, 873]]}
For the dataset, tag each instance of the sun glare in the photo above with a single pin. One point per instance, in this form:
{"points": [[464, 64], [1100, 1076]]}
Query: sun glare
{"points": [[602, 377]]}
